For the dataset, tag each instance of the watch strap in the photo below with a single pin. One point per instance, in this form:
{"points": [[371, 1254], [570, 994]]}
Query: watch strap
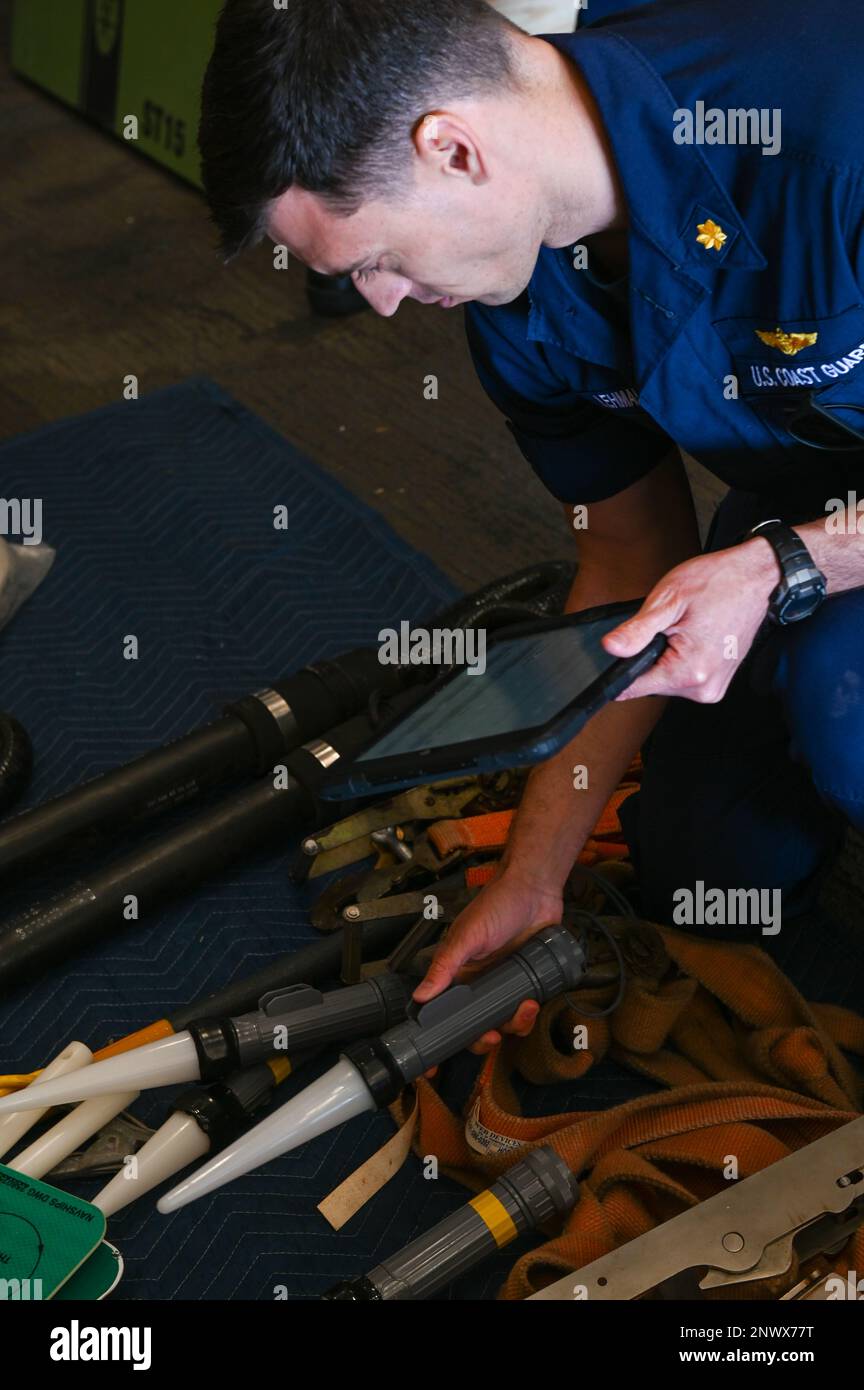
{"points": [[798, 570]]}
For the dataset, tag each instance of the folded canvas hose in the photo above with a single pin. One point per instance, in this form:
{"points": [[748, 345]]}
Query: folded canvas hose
{"points": [[754, 1071]]}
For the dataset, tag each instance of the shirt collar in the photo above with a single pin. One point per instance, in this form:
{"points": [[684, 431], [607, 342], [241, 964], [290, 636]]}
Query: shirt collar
{"points": [[670, 189]]}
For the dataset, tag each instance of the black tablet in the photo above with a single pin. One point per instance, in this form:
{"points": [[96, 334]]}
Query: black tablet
{"points": [[541, 683]]}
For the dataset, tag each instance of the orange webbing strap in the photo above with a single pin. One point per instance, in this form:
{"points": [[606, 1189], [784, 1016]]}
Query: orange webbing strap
{"points": [[491, 831], [594, 852], [472, 832], [478, 875], [639, 1163]]}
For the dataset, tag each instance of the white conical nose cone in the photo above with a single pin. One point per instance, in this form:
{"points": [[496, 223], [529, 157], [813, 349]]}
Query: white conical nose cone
{"points": [[337, 1096], [179, 1141], [164, 1063], [13, 1127]]}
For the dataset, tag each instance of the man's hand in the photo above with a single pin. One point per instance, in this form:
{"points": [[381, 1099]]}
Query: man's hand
{"points": [[710, 608], [505, 913]]}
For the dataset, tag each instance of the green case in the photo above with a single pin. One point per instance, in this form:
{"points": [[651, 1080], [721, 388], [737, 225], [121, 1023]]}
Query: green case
{"points": [[113, 59], [95, 1279], [45, 1236]]}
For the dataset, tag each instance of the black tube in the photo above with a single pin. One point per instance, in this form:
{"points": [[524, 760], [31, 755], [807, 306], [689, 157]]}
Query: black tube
{"points": [[255, 732], [63, 926], [163, 778], [241, 823]]}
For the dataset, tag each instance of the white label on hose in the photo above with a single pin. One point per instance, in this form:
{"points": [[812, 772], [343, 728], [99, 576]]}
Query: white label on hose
{"points": [[486, 1141]]}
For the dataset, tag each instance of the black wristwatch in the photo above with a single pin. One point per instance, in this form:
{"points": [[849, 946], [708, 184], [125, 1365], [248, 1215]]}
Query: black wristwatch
{"points": [[802, 586]]}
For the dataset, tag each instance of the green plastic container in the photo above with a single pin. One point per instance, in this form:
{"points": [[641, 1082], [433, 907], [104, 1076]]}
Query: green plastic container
{"points": [[115, 60]]}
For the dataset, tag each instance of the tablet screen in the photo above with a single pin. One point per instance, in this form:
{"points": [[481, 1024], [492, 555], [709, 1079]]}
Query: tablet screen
{"points": [[526, 683]]}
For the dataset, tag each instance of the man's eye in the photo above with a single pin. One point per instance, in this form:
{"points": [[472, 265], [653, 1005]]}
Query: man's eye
{"points": [[364, 275]]}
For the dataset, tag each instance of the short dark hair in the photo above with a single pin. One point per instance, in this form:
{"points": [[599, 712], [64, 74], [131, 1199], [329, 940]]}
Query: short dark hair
{"points": [[324, 95]]}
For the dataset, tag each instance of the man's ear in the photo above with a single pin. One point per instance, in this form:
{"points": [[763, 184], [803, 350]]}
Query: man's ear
{"points": [[447, 144]]}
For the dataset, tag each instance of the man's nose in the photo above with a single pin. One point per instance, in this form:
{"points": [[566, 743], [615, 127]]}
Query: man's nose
{"points": [[385, 293]]}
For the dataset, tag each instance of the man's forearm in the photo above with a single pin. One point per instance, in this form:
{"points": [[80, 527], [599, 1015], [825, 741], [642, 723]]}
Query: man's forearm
{"points": [[838, 553], [565, 797], [630, 542]]}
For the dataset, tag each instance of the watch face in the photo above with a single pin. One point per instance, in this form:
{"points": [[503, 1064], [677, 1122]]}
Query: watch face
{"points": [[798, 604]]}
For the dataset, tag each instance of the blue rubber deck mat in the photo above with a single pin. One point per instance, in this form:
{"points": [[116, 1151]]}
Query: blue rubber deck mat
{"points": [[162, 515]]}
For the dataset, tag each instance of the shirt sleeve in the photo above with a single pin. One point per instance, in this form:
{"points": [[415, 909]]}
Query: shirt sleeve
{"points": [[580, 451]]}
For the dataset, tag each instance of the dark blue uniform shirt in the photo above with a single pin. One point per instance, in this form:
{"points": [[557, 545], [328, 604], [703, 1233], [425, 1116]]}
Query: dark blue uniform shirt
{"points": [[739, 333]]}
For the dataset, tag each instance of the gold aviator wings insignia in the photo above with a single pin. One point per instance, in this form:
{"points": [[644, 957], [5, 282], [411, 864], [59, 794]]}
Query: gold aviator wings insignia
{"points": [[788, 343]]}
